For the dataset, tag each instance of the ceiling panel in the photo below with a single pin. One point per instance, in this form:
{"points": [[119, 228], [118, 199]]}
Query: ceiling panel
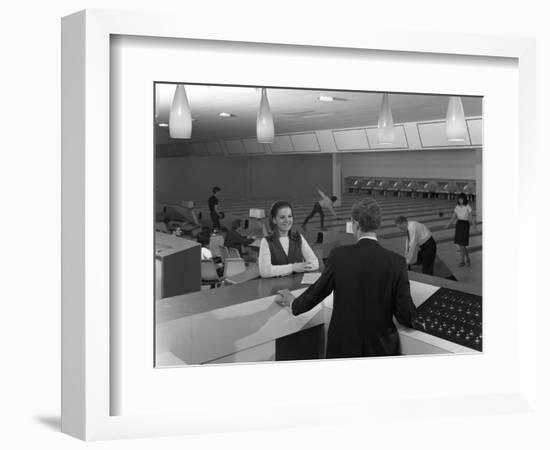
{"points": [[294, 110]]}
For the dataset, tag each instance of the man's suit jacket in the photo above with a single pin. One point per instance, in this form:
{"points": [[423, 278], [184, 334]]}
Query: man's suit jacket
{"points": [[370, 285]]}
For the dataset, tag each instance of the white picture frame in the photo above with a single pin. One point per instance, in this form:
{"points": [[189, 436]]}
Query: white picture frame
{"points": [[89, 322]]}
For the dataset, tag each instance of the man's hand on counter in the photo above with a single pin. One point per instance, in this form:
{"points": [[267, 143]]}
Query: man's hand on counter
{"points": [[286, 298]]}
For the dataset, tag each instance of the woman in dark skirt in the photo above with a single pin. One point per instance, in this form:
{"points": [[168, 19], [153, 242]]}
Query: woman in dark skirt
{"points": [[463, 216]]}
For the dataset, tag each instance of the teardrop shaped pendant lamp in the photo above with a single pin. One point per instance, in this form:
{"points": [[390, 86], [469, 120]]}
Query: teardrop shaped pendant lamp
{"points": [[456, 123], [180, 122], [265, 130], [386, 130]]}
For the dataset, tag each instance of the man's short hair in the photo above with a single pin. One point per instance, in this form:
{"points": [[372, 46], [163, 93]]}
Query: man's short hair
{"points": [[400, 220], [367, 213], [235, 224], [215, 189]]}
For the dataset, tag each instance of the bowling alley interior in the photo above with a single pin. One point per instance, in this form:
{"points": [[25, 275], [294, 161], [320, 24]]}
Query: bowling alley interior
{"points": [[224, 154]]}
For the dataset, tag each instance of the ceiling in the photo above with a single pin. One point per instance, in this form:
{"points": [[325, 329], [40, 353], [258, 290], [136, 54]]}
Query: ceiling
{"points": [[293, 110]]}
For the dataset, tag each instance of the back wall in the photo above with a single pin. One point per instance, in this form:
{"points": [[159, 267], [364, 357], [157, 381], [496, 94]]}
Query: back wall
{"points": [[288, 176], [437, 164]]}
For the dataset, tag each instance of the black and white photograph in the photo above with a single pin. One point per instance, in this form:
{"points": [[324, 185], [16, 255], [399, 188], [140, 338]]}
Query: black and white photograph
{"points": [[300, 224], [243, 225]]}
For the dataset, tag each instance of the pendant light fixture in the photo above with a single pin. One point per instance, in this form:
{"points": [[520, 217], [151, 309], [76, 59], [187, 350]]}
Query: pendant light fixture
{"points": [[180, 122], [265, 130], [456, 124], [386, 130]]}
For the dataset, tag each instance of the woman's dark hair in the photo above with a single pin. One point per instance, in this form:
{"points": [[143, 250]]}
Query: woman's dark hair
{"points": [[334, 198], [275, 209], [464, 198], [215, 189]]}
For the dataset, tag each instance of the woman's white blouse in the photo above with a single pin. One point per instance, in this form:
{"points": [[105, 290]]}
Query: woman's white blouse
{"points": [[463, 212], [267, 270]]}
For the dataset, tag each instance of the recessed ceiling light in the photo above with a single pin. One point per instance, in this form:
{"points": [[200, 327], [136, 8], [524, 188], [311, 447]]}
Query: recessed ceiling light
{"points": [[226, 115], [325, 98], [314, 116], [328, 98]]}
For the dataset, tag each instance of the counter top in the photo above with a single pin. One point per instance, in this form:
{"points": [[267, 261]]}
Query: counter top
{"points": [[168, 245], [202, 301], [207, 326]]}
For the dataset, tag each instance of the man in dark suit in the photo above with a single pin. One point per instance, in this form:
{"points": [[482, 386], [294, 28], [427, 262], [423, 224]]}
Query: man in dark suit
{"points": [[370, 286]]}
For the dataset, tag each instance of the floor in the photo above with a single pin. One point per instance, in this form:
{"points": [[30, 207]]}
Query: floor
{"points": [[433, 212]]}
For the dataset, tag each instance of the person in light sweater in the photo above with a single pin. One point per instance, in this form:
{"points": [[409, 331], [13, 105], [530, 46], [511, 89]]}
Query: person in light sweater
{"points": [[284, 251], [325, 202]]}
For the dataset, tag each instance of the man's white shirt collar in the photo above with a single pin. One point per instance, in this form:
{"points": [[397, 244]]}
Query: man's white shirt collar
{"points": [[372, 238]]}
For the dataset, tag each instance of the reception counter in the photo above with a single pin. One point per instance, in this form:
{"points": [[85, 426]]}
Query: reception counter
{"points": [[171, 254], [243, 323]]}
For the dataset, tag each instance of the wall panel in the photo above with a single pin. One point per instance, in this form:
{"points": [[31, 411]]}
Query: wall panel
{"points": [[281, 176], [192, 178], [289, 176], [453, 164]]}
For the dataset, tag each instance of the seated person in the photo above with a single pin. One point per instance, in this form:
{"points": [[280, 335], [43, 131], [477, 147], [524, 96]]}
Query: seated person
{"points": [[171, 215], [236, 240], [284, 251], [216, 241], [203, 237], [162, 227], [206, 253], [177, 231], [174, 221]]}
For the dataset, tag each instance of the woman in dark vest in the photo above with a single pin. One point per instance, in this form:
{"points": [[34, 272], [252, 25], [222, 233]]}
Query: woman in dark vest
{"points": [[284, 251]]}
